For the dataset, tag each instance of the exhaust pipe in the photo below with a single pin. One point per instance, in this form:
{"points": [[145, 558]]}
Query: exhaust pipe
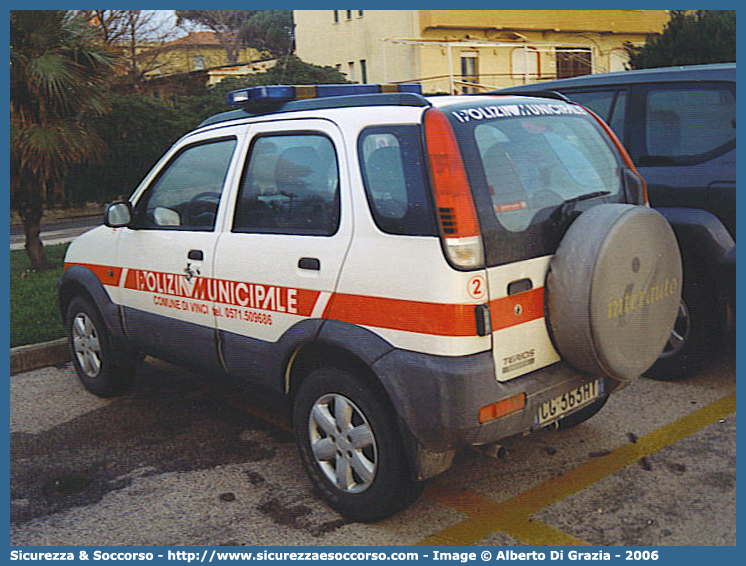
{"points": [[495, 451]]}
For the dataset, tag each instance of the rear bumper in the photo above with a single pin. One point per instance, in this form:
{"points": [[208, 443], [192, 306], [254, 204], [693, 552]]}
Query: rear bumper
{"points": [[438, 401]]}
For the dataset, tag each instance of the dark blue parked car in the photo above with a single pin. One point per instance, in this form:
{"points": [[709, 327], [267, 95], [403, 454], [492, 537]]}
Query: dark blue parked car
{"points": [[679, 126]]}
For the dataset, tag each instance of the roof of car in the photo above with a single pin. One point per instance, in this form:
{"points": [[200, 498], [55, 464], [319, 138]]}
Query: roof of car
{"points": [[722, 71], [360, 100]]}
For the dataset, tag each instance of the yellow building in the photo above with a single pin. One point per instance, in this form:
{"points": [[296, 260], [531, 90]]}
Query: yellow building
{"points": [[471, 50], [194, 52]]}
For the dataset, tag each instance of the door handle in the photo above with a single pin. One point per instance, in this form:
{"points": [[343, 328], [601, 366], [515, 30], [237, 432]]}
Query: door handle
{"points": [[310, 263], [192, 271], [519, 286]]}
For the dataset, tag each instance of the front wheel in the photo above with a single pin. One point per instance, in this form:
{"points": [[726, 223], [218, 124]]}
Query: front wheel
{"points": [[351, 447], [101, 371]]}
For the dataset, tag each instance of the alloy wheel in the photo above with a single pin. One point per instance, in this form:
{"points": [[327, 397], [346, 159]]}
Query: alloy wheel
{"points": [[342, 443], [86, 345]]}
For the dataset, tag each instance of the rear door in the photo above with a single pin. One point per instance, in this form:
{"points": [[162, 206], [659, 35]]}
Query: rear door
{"points": [[279, 261], [534, 166]]}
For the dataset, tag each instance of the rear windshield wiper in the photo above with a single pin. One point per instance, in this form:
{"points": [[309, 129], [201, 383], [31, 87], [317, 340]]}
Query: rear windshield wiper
{"points": [[566, 210], [586, 196]]}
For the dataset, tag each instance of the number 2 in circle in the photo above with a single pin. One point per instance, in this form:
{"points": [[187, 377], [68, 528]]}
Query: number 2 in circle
{"points": [[477, 287]]}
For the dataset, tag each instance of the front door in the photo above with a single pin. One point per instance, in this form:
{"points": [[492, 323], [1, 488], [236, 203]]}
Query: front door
{"points": [[168, 292]]}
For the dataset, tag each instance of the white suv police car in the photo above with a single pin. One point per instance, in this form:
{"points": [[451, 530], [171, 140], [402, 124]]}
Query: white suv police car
{"points": [[416, 274]]}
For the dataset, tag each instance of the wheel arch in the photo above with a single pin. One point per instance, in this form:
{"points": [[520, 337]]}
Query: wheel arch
{"points": [[81, 281], [355, 349], [319, 353], [702, 236], [348, 345], [708, 253]]}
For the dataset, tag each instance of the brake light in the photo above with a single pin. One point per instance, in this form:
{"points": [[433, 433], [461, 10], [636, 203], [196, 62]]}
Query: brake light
{"points": [[457, 215]]}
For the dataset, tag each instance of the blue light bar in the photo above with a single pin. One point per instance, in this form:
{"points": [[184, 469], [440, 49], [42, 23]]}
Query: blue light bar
{"points": [[286, 93], [276, 93]]}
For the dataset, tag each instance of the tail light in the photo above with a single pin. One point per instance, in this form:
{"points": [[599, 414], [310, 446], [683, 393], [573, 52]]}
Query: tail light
{"points": [[457, 216]]}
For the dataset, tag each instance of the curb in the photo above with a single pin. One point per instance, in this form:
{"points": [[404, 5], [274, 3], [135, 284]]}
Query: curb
{"points": [[35, 356]]}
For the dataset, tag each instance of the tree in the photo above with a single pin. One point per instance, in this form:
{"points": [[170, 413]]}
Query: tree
{"points": [[136, 36], [226, 24], [137, 131], [267, 31], [270, 31], [691, 37], [57, 74], [290, 71]]}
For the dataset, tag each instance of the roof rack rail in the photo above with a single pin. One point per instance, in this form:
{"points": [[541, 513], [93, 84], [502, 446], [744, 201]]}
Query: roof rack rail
{"points": [[553, 94], [272, 99]]}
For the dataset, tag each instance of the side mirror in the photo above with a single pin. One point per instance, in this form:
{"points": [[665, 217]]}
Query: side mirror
{"points": [[634, 185], [118, 214]]}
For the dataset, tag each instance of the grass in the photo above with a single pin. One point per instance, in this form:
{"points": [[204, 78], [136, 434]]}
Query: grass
{"points": [[34, 316]]}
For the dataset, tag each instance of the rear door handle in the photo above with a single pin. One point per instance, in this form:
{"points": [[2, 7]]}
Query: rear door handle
{"points": [[196, 255], [310, 263], [519, 286]]}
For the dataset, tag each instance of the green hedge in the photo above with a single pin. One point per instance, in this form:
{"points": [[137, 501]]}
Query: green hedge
{"points": [[34, 315]]}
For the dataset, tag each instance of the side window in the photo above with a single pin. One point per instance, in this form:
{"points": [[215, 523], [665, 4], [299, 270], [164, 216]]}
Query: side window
{"points": [[290, 186], [619, 116], [610, 105], [186, 193], [599, 101], [688, 124], [392, 167]]}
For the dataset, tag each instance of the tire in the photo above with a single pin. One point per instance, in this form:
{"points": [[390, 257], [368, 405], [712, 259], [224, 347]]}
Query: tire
{"points": [[351, 447], [583, 414], [695, 336], [613, 290], [100, 369]]}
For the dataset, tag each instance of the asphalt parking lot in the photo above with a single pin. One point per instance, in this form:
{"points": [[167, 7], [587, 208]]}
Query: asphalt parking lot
{"points": [[187, 460]]}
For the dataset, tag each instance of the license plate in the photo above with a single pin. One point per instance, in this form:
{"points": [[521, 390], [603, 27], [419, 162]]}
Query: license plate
{"points": [[568, 402]]}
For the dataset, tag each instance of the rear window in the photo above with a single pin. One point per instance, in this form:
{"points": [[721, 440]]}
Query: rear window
{"points": [[524, 161]]}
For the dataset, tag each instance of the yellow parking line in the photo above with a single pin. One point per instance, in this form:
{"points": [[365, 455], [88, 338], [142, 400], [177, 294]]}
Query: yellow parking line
{"points": [[513, 516]]}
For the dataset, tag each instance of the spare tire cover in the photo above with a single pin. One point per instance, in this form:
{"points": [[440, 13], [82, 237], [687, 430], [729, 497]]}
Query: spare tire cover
{"points": [[613, 290]]}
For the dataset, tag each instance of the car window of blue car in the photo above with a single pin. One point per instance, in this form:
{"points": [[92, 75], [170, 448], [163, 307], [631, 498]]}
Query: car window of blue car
{"points": [[689, 123]]}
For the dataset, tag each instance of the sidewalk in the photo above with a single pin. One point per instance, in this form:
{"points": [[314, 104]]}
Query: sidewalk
{"points": [[58, 215], [35, 356], [58, 226]]}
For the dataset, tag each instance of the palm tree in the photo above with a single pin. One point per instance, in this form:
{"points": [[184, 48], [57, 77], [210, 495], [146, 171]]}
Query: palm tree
{"points": [[57, 74]]}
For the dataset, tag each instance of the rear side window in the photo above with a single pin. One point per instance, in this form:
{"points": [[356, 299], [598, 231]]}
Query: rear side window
{"points": [[687, 124], [290, 186], [610, 105], [392, 167]]}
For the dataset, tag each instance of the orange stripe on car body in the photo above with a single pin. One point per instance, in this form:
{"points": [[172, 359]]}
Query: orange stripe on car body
{"points": [[438, 319], [517, 309], [108, 275]]}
